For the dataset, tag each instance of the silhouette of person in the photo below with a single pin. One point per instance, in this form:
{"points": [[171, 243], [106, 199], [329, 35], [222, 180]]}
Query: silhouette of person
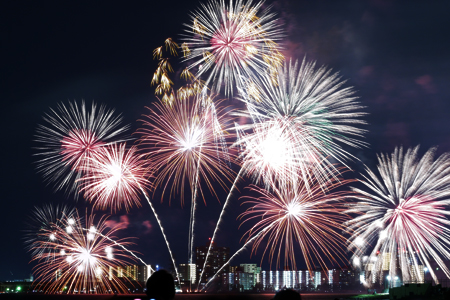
{"points": [[160, 286], [287, 295]]}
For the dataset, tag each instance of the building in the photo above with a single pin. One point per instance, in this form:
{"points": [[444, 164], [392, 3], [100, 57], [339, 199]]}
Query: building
{"points": [[238, 280], [188, 276], [144, 272], [314, 280], [133, 272], [242, 278], [384, 269], [217, 258], [252, 269]]}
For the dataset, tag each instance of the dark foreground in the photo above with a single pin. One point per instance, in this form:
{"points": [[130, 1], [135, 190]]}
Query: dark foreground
{"points": [[305, 296]]}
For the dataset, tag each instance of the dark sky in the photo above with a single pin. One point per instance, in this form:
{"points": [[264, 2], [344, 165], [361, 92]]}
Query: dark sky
{"points": [[395, 54]]}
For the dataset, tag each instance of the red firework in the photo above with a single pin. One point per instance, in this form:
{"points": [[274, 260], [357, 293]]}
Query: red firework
{"points": [[309, 217], [81, 256], [72, 136], [79, 145], [185, 143]]}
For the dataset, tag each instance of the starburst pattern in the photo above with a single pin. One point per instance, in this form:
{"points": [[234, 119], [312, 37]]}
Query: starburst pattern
{"points": [[185, 140], [305, 118], [231, 40], [85, 256], [311, 219], [114, 178], [72, 135], [277, 152], [403, 222]]}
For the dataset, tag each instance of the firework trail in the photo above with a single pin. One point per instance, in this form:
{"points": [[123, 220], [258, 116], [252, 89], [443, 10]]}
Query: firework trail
{"points": [[403, 215], [247, 243], [185, 143], [224, 208], [297, 127], [310, 218], [84, 259], [231, 40], [114, 178], [71, 136]]}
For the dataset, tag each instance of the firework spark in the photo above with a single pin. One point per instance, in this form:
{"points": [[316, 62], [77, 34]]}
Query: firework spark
{"points": [[71, 136], [310, 218], [186, 143], [184, 139], [114, 177], [161, 77], [84, 258], [232, 40], [300, 123], [281, 152], [403, 221], [271, 156]]}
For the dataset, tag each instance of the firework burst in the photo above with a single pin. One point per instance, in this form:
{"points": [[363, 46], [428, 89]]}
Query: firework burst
{"points": [[232, 40], [299, 124], [84, 258], [71, 136], [184, 142], [115, 177], [279, 152], [403, 215], [312, 219]]}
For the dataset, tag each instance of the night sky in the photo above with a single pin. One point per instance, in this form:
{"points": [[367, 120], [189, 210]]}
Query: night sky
{"points": [[395, 54]]}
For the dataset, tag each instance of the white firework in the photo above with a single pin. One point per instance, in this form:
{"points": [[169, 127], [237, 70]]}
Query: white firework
{"points": [[402, 224], [229, 40]]}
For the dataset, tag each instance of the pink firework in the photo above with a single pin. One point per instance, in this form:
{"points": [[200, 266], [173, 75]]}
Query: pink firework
{"points": [[78, 146], [232, 40], [403, 216], [70, 138], [185, 144], [84, 256], [309, 219], [114, 178], [228, 44]]}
